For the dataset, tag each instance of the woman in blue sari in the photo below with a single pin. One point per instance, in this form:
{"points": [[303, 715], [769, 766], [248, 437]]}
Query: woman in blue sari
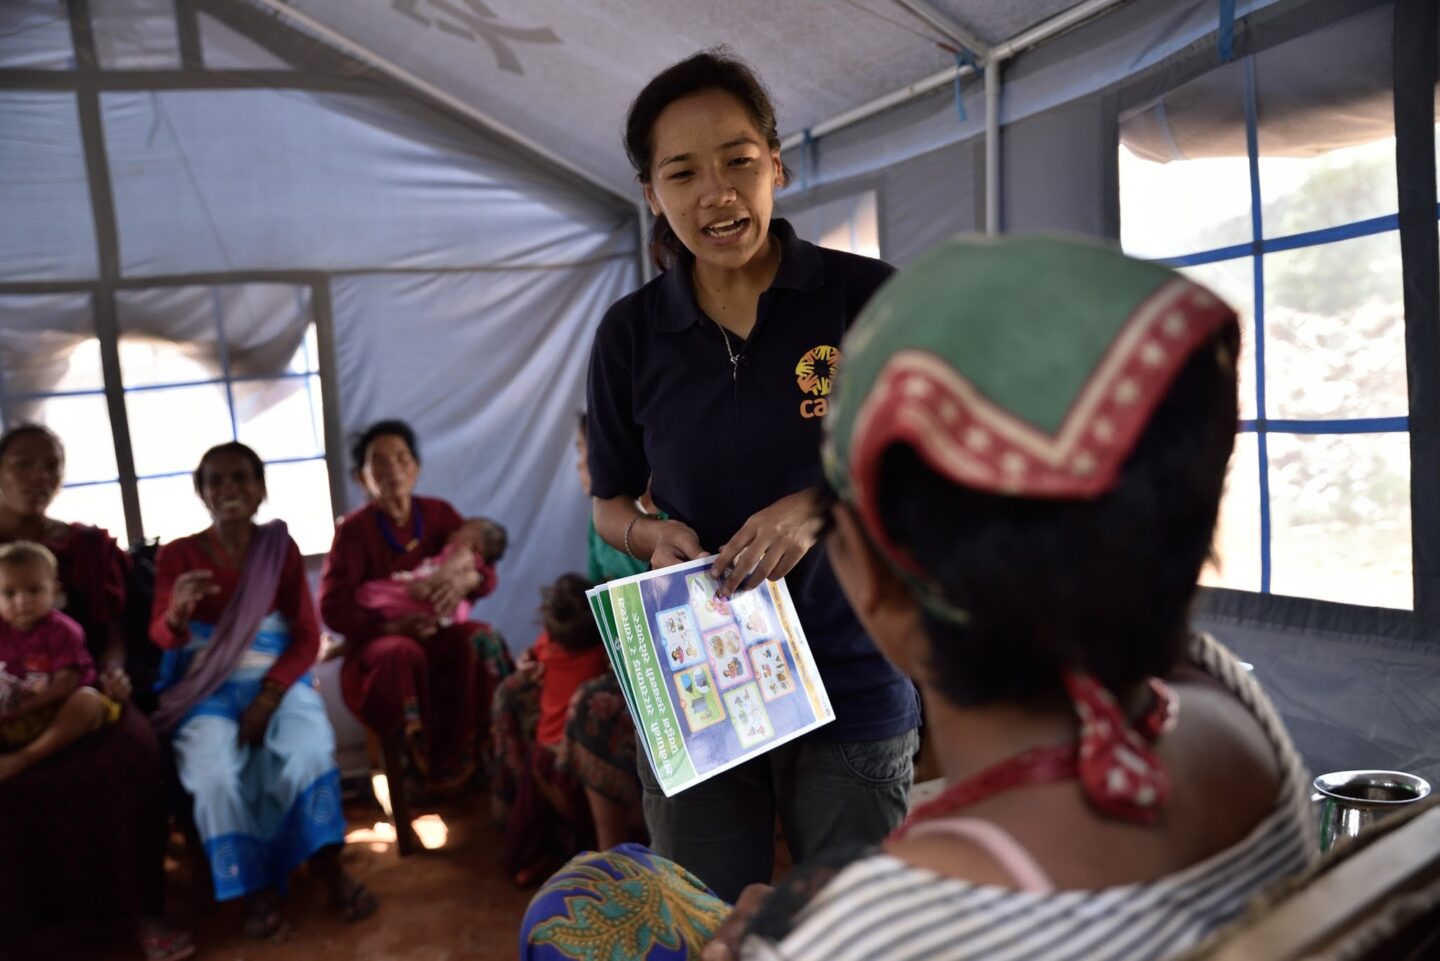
{"points": [[252, 741]]}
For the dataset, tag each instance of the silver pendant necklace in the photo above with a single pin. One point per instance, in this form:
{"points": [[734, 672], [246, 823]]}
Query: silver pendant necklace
{"points": [[734, 358], [724, 334]]}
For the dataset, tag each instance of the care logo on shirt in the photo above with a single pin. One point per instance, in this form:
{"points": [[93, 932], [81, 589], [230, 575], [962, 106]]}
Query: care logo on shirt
{"points": [[815, 375]]}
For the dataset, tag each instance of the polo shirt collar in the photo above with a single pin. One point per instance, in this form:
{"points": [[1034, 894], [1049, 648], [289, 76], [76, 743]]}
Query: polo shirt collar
{"points": [[800, 269]]}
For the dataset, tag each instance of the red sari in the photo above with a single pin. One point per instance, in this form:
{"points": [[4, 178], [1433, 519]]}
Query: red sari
{"points": [[436, 691], [82, 834]]}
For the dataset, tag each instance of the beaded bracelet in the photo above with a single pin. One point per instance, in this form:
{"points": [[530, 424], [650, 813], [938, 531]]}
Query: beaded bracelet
{"points": [[629, 526]]}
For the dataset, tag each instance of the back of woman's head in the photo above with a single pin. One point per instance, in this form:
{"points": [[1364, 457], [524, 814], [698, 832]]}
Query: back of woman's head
{"points": [[1033, 435], [566, 613], [1103, 585], [715, 69]]}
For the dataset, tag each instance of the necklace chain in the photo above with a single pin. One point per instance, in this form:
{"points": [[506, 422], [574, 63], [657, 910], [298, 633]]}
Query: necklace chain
{"points": [[734, 358], [724, 334]]}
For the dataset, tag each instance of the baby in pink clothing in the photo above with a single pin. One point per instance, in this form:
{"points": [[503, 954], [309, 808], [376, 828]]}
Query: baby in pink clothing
{"points": [[478, 543], [46, 701]]}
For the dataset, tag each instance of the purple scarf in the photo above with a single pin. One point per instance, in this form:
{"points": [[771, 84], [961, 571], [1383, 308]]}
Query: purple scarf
{"points": [[239, 622]]}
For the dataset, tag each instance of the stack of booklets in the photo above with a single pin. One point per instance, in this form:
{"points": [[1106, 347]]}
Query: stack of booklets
{"points": [[711, 683]]}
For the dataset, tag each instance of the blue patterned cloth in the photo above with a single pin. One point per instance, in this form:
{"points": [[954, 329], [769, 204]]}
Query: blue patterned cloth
{"points": [[625, 904], [260, 811]]}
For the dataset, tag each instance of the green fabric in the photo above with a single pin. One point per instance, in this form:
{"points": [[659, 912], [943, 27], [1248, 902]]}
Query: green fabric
{"points": [[989, 309], [605, 563]]}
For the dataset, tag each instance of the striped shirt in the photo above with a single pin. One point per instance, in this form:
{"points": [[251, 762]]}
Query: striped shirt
{"points": [[880, 907]]}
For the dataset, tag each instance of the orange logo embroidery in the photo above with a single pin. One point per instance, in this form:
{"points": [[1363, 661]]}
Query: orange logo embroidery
{"points": [[815, 375]]}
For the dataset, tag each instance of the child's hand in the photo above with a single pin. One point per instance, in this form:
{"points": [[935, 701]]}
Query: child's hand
{"points": [[529, 666], [115, 684]]}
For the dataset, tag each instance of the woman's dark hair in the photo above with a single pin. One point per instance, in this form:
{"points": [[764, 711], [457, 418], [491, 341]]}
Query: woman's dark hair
{"points": [[582, 421], [1104, 585], [360, 443], [19, 430], [566, 613], [231, 447], [715, 69]]}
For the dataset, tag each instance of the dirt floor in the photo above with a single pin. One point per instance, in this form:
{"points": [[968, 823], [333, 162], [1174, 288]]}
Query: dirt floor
{"points": [[448, 904]]}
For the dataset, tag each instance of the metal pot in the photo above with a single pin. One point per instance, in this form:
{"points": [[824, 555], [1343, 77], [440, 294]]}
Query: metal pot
{"points": [[1350, 801]]}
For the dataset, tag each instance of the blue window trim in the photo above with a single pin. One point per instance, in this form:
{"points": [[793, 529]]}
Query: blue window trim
{"points": [[168, 385], [186, 473], [1256, 249], [1271, 245]]}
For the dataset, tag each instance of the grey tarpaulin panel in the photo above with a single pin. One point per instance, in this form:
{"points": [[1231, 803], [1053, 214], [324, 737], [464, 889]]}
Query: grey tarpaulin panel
{"points": [[47, 232], [584, 61], [1044, 188], [1135, 37], [35, 35], [873, 146], [135, 34], [1355, 691], [1003, 20], [1324, 91], [490, 370], [928, 198], [233, 180], [225, 48], [920, 201]]}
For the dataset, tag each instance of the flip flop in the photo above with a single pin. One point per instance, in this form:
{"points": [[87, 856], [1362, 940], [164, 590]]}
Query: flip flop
{"points": [[357, 905], [263, 921], [175, 946]]}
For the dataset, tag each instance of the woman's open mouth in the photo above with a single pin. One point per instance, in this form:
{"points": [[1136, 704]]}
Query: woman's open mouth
{"points": [[726, 228]]}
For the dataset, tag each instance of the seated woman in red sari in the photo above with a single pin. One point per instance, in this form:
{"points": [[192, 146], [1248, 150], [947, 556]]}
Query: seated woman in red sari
{"points": [[409, 675], [253, 744], [82, 833]]}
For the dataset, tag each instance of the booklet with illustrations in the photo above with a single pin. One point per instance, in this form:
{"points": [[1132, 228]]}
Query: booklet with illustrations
{"points": [[710, 683]]}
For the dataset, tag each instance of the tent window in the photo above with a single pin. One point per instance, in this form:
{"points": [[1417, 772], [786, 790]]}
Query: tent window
{"points": [[206, 364], [849, 223], [50, 373], [199, 365], [1293, 221]]}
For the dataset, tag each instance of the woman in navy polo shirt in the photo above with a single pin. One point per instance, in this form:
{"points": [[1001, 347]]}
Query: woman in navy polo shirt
{"points": [[714, 378]]}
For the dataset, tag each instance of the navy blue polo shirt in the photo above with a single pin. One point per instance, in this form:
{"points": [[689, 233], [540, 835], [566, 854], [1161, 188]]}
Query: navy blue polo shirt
{"points": [[663, 402]]}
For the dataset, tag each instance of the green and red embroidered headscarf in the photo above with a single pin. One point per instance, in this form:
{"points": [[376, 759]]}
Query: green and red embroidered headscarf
{"points": [[1025, 367]]}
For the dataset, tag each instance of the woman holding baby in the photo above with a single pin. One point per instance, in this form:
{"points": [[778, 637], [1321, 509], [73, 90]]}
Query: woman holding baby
{"points": [[417, 670]]}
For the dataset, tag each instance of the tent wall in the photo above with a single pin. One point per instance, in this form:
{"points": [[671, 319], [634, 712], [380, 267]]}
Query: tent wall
{"points": [[1072, 189], [920, 201]]}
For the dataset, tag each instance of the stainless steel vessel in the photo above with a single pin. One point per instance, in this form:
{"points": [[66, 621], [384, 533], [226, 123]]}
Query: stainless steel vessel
{"points": [[1348, 802]]}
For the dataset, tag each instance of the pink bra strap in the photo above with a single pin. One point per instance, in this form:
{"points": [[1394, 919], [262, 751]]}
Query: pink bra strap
{"points": [[997, 843]]}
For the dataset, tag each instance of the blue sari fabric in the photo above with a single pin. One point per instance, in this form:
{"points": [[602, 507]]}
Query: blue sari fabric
{"points": [[618, 905], [260, 811]]}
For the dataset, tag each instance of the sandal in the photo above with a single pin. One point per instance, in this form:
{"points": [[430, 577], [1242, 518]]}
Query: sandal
{"points": [[262, 919], [356, 904], [174, 946]]}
